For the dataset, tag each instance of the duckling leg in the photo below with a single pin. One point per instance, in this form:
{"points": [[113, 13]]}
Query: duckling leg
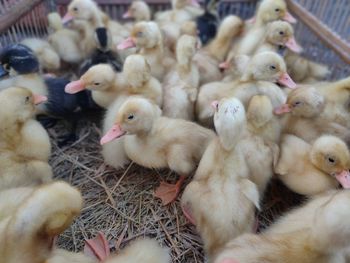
{"points": [[97, 247], [186, 210], [168, 192]]}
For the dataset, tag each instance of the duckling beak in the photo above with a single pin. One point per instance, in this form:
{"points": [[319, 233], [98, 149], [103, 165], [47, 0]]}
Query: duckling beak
{"points": [[251, 20], [344, 179], [195, 3], [127, 43], [114, 133], [287, 81], [284, 108], [74, 87], [3, 72], [289, 18], [293, 45], [127, 14], [215, 104], [67, 18], [39, 99], [224, 65]]}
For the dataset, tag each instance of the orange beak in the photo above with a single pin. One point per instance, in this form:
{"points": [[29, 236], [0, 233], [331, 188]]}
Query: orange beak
{"points": [[287, 81], [127, 43], [284, 108], [114, 133], [74, 87], [39, 99]]}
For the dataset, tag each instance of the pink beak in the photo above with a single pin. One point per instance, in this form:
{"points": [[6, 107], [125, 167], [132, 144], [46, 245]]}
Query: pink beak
{"points": [[293, 45], [74, 87], [289, 18], [287, 81], [344, 179], [39, 99], [195, 3], [215, 104], [113, 133], [251, 20], [127, 43], [224, 65], [67, 18], [127, 14], [284, 108]]}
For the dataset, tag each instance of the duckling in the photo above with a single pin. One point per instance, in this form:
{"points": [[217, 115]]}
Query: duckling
{"points": [[209, 58], [181, 84], [173, 143], [304, 70], [318, 233], [221, 197], [106, 84], [22, 66], [24, 144], [268, 11], [279, 34], [64, 41], [139, 11], [47, 56], [208, 22], [311, 114], [27, 234], [147, 38], [321, 165], [257, 77]]}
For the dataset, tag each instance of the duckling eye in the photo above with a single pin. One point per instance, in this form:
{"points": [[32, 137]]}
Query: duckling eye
{"points": [[130, 117], [297, 103], [27, 99], [281, 33], [75, 9], [139, 34], [331, 160], [272, 67], [97, 83], [277, 10]]}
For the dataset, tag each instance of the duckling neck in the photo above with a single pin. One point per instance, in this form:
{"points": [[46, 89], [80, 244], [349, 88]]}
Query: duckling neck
{"points": [[9, 133], [184, 65]]}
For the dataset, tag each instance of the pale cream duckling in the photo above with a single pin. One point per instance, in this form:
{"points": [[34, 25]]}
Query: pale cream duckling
{"points": [[258, 76], [66, 42], [321, 165], [317, 232], [268, 11], [208, 59], [106, 84], [27, 233], [147, 38], [173, 143], [47, 56], [139, 11], [311, 115], [279, 34], [24, 144], [103, 81], [221, 199], [181, 84]]}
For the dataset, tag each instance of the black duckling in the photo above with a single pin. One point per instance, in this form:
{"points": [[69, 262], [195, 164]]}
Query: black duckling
{"points": [[20, 67], [103, 53], [207, 23]]}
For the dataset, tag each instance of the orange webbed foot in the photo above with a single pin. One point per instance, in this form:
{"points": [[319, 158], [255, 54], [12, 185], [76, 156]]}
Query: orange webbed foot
{"points": [[168, 192], [97, 247]]}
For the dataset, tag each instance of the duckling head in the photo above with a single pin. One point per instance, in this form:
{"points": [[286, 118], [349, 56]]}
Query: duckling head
{"points": [[135, 116], [281, 33], [268, 66], [18, 104], [100, 77], [260, 111], [331, 155], [304, 102], [81, 10], [139, 10], [272, 10], [229, 121], [186, 47], [17, 59], [143, 35], [136, 70]]}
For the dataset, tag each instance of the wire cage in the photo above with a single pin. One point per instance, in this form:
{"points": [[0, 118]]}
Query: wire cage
{"points": [[324, 32]]}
